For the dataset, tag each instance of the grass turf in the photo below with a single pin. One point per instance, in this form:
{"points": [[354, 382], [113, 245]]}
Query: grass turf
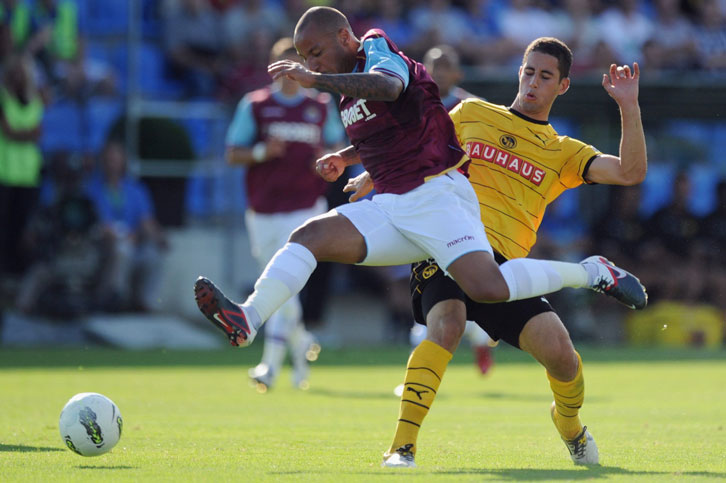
{"points": [[191, 416]]}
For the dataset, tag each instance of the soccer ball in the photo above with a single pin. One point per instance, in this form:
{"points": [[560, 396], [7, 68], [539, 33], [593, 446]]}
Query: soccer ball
{"points": [[90, 424]]}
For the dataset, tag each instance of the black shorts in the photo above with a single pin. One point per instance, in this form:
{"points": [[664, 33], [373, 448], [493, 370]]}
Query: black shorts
{"points": [[504, 320]]}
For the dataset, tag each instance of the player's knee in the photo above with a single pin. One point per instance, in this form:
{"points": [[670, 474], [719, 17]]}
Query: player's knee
{"points": [[563, 364], [309, 235], [446, 331], [446, 323], [488, 291]]}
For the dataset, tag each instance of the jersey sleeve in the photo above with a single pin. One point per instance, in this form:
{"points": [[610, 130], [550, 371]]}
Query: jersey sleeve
{"points": [[579, 158], [243, 129], [380, 58]]}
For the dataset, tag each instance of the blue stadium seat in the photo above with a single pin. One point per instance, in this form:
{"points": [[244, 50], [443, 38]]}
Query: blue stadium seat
{"points": [[657, 187], [62, 128], [100, 114], [704, 178], [718, 148], [151, 26], [152, 80], [105, 17], [200, 133]]}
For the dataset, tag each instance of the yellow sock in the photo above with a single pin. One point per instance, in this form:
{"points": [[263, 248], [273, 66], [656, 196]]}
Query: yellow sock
{"points": [[424, 372], [568, 401]]}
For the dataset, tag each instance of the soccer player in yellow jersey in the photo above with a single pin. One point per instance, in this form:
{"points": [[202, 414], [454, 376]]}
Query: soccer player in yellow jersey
{"points": [[519, 165]]}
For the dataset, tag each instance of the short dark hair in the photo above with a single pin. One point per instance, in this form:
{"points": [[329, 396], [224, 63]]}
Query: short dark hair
{"points": [[446, 52], [327, 18], [554, 47], [282, 48]]}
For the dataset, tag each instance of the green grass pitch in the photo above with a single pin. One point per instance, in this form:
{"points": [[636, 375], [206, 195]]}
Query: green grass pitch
{"points": [[190, 416]]}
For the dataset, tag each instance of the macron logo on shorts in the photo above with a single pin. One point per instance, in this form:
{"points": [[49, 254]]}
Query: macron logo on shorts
{"points": [[459, 240]]}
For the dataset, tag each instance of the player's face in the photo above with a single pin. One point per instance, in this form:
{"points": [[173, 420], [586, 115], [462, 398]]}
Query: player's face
{"points": [[540, 83], [323, 53]]}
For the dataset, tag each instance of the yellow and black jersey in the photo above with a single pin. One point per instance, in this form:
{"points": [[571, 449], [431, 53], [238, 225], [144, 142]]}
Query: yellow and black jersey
{"points": [[518, 166]]}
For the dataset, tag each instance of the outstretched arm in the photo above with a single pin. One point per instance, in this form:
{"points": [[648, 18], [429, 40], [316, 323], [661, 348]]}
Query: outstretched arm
{"points": [[370, 85], [632, 164]]}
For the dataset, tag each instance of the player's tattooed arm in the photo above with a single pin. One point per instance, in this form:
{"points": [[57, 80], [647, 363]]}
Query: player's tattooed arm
{"points": [[349, 155], [371, 85], [374, 86]]}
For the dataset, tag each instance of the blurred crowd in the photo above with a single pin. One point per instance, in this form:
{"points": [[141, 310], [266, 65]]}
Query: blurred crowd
{"points": [[73, 221], [220, 46]]}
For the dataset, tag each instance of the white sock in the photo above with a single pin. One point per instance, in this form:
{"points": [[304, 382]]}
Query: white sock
{"points": [[527, 277], [284, 276]]}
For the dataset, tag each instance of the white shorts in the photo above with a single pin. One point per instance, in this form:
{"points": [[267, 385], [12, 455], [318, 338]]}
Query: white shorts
{"points": [[268, 232], [438, 219]]}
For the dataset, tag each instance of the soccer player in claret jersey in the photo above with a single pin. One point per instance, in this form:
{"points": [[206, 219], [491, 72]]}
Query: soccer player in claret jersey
{"points": [[278, 132], [519, 165], [425, 206]]}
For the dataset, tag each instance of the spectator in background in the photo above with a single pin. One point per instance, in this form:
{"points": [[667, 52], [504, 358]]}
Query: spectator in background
{"points": [[249, 30], [438, 22], [391, 18], [83, 77], [15, 26], [241, 20], [579, 27], [482, 36], [521, 22], [127, 219], [672, 44], [248, 66], [676, 229], [193, 42], [65, 240], [620, 231], [625, 29], [713, 233], [710, 32], [21, 114], [55, 38]]}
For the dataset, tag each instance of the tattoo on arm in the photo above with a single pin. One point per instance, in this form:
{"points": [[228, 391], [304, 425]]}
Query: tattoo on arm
{"points": [[372, 86], [350, 155]]}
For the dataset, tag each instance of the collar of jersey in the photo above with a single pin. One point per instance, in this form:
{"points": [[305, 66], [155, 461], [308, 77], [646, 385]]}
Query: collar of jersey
{"points": [[527, 118], [285, 100]]}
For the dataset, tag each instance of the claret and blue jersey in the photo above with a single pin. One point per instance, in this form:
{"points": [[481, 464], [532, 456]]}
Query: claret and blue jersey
{"points": [[405, 142]]}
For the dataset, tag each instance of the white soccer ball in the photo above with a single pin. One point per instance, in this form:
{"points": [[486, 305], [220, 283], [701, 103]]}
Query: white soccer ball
{"points": [[90, 424]]}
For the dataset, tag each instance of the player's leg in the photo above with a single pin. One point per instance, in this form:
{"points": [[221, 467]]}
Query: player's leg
{"points": [[442, 217], [442, 301], [547, 340], [352, 233], [522, 278]]}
